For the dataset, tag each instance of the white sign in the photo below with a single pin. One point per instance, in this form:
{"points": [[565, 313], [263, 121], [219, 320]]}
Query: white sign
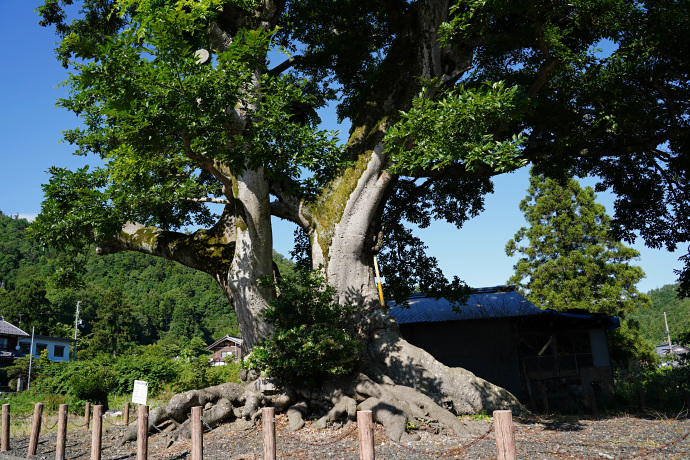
{"points": [[141, 389]]}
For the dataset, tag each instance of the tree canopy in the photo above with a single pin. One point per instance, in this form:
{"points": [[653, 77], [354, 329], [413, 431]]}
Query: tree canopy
{"points": [[173, 132], [570, 259], [186, 103]]}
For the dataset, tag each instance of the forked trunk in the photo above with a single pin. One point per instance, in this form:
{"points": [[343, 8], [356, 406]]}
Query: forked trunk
{"points": [[391, 359]]}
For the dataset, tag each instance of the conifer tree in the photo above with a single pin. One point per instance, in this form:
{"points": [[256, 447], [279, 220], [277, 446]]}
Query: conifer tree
{"points": [[571, 259]]}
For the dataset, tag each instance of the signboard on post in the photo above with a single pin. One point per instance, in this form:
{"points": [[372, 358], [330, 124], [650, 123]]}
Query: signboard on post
{"points": [[141, 389]]}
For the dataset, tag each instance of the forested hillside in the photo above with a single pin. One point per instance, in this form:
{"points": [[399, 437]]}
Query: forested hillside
{"points": [[126, 298], [664, 299]]}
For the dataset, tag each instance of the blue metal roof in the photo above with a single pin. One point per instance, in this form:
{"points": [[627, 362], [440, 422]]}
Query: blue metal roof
{"points": [[483, 303], [496, 302]]}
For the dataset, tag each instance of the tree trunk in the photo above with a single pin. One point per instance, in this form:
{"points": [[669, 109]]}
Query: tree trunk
{"points": [[349, 257], [253, 257]]}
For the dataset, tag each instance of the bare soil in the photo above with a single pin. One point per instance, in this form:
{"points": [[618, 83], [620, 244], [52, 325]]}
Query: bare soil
{"points": [[617, 437]]}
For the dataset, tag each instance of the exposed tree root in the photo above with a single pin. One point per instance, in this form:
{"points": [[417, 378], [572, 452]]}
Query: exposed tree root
{"points": [[394, 406], [220, 403], [405, 385], [453, 388]]}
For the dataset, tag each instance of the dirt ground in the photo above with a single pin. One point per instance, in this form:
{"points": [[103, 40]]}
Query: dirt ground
{"points": [[612, 437]]}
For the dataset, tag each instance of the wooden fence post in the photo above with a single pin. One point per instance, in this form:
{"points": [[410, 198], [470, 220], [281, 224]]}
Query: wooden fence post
{"points": [[142, 432], [97, 432], [197, 434], [87, 415], [269, 432], [5, 438], [365, 434], [35, 429], [62, 433], [125, 415], [505, 436]]}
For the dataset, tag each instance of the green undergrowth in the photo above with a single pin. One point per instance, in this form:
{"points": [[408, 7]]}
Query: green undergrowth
{"points": [[109, 381], [482, 416]]}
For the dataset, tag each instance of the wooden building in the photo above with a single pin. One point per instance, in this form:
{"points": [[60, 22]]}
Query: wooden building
{"points": [[548, 359], [9, 335], [225, 350]]}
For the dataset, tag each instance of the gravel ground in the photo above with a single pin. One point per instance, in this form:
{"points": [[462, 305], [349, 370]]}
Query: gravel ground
{"points": [[546, 438]]}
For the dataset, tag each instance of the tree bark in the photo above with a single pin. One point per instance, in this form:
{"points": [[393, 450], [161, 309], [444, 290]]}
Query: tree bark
{"points": [[253, 259]]}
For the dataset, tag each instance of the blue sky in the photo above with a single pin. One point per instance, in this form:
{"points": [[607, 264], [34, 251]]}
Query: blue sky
{"points": [[31, 126]]}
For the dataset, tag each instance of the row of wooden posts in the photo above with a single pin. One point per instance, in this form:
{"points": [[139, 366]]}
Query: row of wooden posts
{"points": [[503, 430]]}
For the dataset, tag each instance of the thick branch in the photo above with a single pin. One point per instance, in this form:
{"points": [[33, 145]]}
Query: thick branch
{"points": [[285, 65], [210, 251], [206, 163], [543, 76], [663, 93], [289, 207], [396, 13]]}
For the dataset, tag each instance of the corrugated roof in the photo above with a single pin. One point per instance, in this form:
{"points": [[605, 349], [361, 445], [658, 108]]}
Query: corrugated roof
{"points": [[10, 329], [495, 302], [483, 303], [51, 338]]}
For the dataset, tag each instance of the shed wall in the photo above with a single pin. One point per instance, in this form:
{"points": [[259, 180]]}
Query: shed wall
{"points": [[600, 348], [487, 348]]}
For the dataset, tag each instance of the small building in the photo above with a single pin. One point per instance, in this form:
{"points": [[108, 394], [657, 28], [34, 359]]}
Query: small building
{"points": [[548, 359], [671, 354], [225, 350], [9, 336], [58, 348]]}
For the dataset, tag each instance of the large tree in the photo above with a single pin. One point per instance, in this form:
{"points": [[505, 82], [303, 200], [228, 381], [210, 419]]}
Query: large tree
{"points": [[441, 96], [569, 257]]}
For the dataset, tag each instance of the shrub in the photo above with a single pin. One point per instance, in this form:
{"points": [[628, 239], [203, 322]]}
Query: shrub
{"points": [[93, 383], [222, 374], [155, 369], [313, 339], [664, 388], [193, 375]]}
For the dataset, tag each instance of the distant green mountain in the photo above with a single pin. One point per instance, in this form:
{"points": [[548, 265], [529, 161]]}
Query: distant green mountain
{"points": [[664, 299], [156, 299]]}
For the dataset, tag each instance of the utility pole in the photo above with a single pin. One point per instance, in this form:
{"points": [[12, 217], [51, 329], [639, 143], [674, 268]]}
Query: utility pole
{"points": [[31, 356], [668, 335], [76, 324]]}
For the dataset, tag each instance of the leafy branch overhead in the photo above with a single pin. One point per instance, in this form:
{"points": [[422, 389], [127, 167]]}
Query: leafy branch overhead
{"points": [[441, 97], [457, 129]]}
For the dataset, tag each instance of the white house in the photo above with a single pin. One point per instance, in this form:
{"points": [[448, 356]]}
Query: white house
{"points": [[58, 348]]}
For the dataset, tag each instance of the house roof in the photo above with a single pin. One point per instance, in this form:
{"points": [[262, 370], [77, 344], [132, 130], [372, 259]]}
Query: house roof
{"points": [[52, 339], [483, 303], [662, 349], [10, 354], [231, 338], [10, 329]]}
